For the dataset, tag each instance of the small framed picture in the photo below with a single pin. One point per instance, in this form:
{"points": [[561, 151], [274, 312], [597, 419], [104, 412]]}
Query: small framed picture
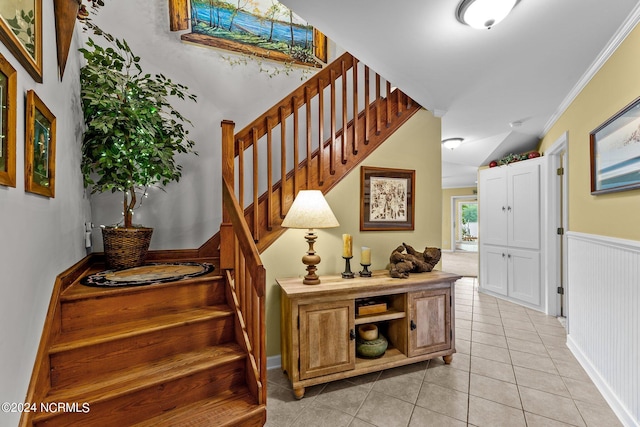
{"points": [[40, 148], [386, 199], [8, 94], [615, 152]]}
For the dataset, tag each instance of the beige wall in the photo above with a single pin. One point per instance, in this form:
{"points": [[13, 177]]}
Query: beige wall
{"points": [[415, 146], [447, 194], [611, 89]]}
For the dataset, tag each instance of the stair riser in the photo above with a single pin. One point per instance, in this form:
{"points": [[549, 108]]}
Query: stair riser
{"points": [[148, 301], [76, 366], [138, 406]]}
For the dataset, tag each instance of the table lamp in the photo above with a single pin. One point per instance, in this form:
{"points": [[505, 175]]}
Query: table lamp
{"points": [[310, 210]]}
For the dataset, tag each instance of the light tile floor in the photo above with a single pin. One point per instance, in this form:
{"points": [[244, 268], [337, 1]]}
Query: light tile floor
{"points": [[512, 368]]}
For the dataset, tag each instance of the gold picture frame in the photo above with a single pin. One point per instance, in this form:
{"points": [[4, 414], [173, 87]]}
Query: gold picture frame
{"points": [[8, 100], [387, 199], [40, 148], [21, 32]]}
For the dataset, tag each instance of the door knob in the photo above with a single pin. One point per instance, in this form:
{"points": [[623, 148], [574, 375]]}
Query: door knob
{"points": [[412, 325], [352, 334]]}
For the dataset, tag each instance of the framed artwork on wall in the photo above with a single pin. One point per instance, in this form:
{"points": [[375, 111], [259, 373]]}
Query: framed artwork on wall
{"points": [[615, 152], [265, 29], [8, 94], [40, 147], [386, 199], [21, 32]]}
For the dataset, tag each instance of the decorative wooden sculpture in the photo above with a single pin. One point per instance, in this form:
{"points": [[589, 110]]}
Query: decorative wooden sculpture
{"points": [[401, 263]]}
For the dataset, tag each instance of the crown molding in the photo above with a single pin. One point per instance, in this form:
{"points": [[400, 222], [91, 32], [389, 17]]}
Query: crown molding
{"points": [[627, 26]]}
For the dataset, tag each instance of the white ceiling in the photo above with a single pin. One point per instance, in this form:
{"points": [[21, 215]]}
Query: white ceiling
{"points": [[479, 81]]}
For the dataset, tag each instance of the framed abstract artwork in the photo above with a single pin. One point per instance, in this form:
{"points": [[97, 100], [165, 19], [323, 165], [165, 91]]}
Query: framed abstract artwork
{"points": [[265, 29], [8, 100], [386, 199], [40, 147], [21, 32], [615, 152]]}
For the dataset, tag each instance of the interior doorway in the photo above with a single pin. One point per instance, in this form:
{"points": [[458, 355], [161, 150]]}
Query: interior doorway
{"points": [[467, 226], [558, 292], [464, 223]]}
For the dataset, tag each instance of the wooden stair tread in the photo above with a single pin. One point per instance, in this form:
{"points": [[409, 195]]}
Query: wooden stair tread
{"points": [[147, 375], [78, 291], [78, 339], [229, 408]]}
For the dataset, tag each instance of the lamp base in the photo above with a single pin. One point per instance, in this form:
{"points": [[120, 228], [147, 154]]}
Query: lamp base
{"points": [[311, 259]]}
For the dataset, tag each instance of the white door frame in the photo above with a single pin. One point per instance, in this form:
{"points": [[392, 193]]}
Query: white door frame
{"points": [[554, 260], [454, 199]]}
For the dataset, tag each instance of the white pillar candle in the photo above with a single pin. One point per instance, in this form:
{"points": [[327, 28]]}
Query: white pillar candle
{"points": [[365, 256]]}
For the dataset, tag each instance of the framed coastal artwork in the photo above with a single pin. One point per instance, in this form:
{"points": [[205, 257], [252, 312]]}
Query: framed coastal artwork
{"points": [[40, 148], [262, 28], [615, 152], [8, 93], [386, 199], [21, 32]]}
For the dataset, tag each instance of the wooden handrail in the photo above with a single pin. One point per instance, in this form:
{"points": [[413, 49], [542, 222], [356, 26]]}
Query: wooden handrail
{"points": [[246, 281]]}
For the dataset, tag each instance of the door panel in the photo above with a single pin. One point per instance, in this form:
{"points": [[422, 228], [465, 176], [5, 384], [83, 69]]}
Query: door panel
{"points": [[492, 206], [524, 206], [524, 276], [325, 343], [493, 269], [429, 321]]}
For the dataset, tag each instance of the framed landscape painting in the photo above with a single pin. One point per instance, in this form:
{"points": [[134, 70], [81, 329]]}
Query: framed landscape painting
{"points": [[615, 152], [263, 28], [40, 148], [21, 32], [386, 199], [8, 81]]}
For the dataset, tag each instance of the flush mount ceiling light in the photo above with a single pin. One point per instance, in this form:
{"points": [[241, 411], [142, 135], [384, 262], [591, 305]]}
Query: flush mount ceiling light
{"points": [[483, 14], [452, 143]]}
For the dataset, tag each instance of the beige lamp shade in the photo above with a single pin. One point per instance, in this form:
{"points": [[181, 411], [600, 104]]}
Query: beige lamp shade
{"points": [[310, 210]]}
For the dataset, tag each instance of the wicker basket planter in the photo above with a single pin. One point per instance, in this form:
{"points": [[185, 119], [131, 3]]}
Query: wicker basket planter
{"points": [[125, 247]]}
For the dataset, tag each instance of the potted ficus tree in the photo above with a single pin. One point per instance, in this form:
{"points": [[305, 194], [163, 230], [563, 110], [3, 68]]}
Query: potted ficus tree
{"points": [[131, 138]]}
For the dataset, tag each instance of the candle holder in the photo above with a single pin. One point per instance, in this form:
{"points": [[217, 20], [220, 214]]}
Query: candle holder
{"points": [[347, 273], [365, 271]]}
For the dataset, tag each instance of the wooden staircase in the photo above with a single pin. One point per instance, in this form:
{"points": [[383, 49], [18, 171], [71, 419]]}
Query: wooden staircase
{"points": [[192, 352], [170, 354], [310, 140]]}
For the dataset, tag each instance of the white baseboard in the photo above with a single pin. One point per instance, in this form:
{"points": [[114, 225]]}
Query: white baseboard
{"points": [[623, 414], [274, 362]]}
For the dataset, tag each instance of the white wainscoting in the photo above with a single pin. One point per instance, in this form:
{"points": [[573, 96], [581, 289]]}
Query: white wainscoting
{"points": [[603, 317]]}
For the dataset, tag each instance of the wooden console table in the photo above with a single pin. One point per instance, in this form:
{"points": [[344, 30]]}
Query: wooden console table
{"points": [[319, 324]]}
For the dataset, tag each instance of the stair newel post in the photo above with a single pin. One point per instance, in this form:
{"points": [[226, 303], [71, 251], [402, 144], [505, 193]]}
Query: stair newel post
{"points": [[227, 238]]}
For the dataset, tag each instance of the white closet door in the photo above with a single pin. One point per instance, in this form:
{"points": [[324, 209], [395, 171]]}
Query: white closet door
{"points": [[523, 208], [493, 206], [493, 269], [524, 275]]}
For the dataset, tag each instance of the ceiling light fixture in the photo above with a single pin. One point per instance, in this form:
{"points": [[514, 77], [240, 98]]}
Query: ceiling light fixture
{"points": [[452, 143], [483, 14]]}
